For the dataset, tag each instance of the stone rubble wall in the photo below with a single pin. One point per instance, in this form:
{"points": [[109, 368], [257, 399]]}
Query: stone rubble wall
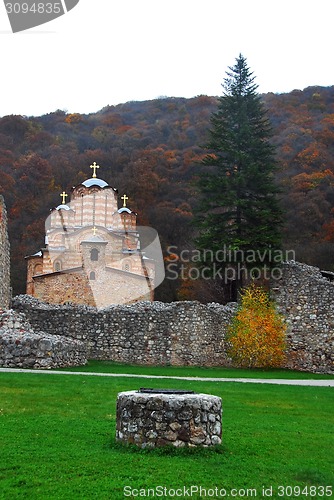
{"points": [[306, 299], [21, 347], [5, 290], [190, 333], [145, 333], [150, 420]]}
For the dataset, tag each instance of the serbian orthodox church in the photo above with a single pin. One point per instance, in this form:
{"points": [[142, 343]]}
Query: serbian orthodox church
{"points": [[92, 252]]}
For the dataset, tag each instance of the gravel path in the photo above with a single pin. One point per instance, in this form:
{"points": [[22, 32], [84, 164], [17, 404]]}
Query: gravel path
{"points": [[315, 383]]}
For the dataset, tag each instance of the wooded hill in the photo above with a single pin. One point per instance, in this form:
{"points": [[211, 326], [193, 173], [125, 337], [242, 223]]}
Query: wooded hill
{"points": [[150, 151]]}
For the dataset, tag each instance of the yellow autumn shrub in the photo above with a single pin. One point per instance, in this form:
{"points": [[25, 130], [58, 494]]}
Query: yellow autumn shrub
{"points": [[256, 336]]}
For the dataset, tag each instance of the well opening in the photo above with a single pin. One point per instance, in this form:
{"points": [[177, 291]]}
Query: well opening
{"points": [[146, 390]]}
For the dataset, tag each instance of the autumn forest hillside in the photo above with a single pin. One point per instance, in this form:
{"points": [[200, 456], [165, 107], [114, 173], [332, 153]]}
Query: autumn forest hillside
{"points": [[151, 151]]}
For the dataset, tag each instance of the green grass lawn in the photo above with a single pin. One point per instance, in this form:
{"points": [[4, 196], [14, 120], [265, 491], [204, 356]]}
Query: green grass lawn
{"points": [[57, 440], [194, 371]]}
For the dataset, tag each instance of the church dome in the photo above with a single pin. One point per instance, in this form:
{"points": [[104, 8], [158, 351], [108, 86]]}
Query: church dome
{"points": [[124, 209], [94, 181], [63, 207]]}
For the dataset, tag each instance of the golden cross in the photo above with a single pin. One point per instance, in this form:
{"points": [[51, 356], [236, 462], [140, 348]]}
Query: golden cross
{"points": [[94, 230], [94, 167], [64, 196], [124, 198]]}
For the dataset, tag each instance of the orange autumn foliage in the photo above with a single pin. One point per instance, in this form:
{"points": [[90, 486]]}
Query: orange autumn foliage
{"points": [[256, 335]]}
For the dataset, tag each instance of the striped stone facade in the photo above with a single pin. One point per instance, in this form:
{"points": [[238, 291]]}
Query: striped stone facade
{"points": [[92, 252]]}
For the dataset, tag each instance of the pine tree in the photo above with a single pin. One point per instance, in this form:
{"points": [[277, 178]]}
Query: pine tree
{"points": [[239, 209]]}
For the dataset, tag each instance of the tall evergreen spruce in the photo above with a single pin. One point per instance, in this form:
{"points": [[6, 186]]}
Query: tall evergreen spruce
{"points": [[239, 209]]}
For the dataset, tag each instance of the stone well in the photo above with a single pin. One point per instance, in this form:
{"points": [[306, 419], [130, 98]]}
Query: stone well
{"points": [[161, 417]]}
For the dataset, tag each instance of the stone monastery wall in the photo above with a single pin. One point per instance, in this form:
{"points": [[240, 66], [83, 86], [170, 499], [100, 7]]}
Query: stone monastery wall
{"points": [[5, 291], [190, 333], [305, 296], [146, 333], [22, 347]]}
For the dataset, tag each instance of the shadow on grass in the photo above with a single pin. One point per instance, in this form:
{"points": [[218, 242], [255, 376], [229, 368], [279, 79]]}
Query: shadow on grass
{"points": [[170, 451], [105, 366], [312, 477]]}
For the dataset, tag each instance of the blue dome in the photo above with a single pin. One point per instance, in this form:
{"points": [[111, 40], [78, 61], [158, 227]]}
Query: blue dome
{"points": [[63, 207], [94, 181], [124, 209]]}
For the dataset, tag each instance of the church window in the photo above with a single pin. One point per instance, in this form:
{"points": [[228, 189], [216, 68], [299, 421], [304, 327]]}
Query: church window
{"points": [[92, 276], [125, 222], [57, 266], [94, 254], [126, 266], [38, 269]]}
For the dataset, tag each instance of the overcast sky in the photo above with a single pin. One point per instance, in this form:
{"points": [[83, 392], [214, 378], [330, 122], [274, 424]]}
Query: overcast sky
{"points": [[112, 51]]}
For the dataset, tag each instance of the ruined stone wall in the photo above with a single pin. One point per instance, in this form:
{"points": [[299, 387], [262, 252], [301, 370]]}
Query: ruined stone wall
{"points": [[190, 333], [5, 290], [180, 333], [22, 347], [306, 299]]}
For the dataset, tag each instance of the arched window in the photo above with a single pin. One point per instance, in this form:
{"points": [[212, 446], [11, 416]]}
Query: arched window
{"points": [[92, 276], [94, 254], [57, 266], [38, 269], [126, 266]]}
